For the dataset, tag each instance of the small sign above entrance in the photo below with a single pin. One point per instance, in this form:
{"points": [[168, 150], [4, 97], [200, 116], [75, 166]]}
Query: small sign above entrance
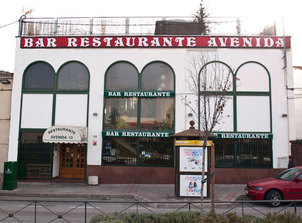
{"points": [[65, 134]]}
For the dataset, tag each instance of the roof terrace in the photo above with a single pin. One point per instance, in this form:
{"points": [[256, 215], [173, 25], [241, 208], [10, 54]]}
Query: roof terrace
{"points": [[135, 26]]}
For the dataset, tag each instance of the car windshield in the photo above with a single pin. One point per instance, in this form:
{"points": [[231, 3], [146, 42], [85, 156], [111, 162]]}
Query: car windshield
{"points": [[289, 174]]}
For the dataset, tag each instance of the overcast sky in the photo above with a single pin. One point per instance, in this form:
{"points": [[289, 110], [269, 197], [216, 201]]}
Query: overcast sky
{"points": [[261, 12]]}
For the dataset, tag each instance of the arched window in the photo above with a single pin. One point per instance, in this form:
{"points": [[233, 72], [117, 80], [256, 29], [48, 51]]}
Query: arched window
{"points": [[158, 76], [121, 76], [216, 76], [121, 112], [216, 89], [139, 115], [72, 94], [250, 144], [253, 88], [39, 76], [157, 113], [73, 76]]}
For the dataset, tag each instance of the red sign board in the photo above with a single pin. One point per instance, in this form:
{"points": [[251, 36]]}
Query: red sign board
{"points": [[155, 42]]}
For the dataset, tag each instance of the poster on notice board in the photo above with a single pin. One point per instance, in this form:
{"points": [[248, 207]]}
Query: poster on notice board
{"points": [[190, 159], [190, 186]]}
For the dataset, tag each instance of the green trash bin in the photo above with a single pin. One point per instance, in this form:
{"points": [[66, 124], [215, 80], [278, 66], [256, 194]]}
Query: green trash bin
{"points": [[10, 176]]}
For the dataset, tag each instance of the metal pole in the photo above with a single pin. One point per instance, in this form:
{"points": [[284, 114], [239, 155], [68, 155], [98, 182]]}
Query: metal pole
{"points": [[91, 26], [127, 26], [21, 25], [56, 26], [85, 211], [35, 212], [213, 178]]}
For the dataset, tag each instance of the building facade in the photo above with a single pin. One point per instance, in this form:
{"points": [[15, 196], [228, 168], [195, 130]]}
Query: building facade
{"points": [[6, 84], [106, 105]]}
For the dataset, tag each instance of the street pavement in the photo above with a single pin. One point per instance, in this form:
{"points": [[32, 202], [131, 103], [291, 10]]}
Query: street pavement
{"points": [[118, 192]]}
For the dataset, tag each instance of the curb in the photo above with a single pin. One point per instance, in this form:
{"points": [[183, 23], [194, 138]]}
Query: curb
{"points": [[77, 196]]}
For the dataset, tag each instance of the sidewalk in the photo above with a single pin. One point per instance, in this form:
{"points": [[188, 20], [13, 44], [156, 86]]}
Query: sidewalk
{"points": [[118, 192]]}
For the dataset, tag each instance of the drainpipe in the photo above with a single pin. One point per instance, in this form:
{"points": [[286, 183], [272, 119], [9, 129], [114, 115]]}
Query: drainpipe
{"points": [[289, 95]]}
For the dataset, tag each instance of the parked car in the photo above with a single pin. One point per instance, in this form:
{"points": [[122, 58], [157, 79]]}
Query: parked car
{"points": [[286, 186]]}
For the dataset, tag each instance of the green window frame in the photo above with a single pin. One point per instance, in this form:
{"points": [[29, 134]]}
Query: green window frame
{"points": [[54, 90], [73, 76], [38, 77], [148, 110], [238, 153], [31, 150]]}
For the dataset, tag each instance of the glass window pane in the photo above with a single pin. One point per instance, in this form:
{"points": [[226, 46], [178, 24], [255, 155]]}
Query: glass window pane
{"points": [[121, 76], [157, 114], [119, 151], [254, 153], [73, 76], [39, 76], [120, 113], [158, 77], [216, 77], [252, 77], [156, 152], [243, 153], [224, 153]]}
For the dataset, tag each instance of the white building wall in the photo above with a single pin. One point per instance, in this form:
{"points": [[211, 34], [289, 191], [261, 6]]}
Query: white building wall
{"points": [[298, 101], [98, 60]]}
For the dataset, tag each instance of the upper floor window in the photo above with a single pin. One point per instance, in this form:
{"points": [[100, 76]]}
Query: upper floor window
{"points": [[121, 76], [141, 102], [73, 76], [39, 76], [158, 77]]}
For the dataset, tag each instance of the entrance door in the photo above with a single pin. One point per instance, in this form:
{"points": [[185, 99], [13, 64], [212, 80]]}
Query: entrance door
{"points": [[72, 161]]}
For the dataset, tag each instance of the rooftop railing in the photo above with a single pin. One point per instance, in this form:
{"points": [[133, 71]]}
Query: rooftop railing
{"points": [[105, 26]]}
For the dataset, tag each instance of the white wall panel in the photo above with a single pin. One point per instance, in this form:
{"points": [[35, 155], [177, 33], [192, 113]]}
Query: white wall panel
{"points": [[227, 121], [71, 109], [36, 111], [253, 114], [298, 102]]}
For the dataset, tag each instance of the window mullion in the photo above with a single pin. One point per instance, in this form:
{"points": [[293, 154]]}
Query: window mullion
{"points": [[139, 113], [138, 151]]}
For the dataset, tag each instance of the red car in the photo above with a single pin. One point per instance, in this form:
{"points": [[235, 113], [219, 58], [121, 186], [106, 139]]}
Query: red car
{"points": [[286, 186]]}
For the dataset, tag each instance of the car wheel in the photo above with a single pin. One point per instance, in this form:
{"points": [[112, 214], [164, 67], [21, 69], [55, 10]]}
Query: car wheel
{"points": [[275, 196]]}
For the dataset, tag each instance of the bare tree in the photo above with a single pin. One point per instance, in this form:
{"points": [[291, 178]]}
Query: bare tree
{"points": [[209, 81]]}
